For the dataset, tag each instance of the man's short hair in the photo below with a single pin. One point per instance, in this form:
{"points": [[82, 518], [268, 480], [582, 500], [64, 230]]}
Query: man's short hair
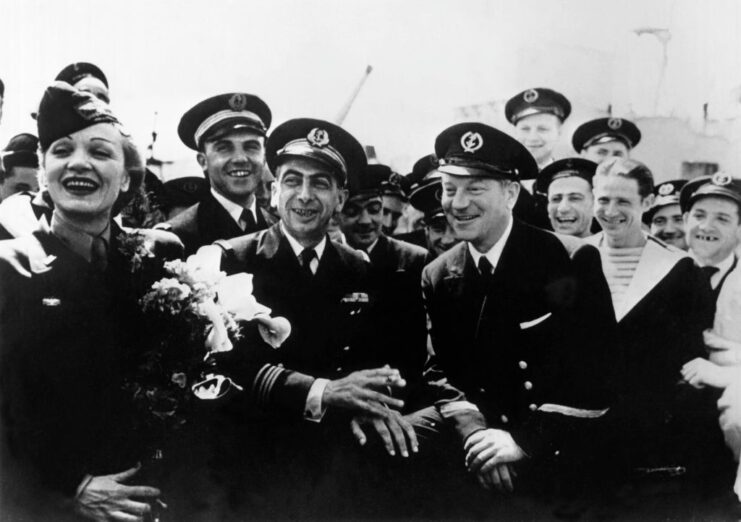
{"points": [[630, 169]]}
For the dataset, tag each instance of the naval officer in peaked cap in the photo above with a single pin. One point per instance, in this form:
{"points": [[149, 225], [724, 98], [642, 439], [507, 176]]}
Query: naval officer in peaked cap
{"points": [[228, 132], [332, 366], [537, 115], [520, 337]]}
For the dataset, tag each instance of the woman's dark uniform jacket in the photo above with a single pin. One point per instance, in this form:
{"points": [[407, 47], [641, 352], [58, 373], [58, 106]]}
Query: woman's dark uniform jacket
{"points": [[67, 334], [208, 221], [531, 346], [332, 316]]}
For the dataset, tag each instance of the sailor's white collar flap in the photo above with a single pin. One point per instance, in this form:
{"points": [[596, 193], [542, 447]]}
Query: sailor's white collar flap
{"points": [[655, 263]]}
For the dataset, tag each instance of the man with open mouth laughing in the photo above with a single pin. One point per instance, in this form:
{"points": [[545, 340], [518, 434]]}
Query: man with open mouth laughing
{"points": [[568, 183], [508, 312], [712, 215], [228, 132]]}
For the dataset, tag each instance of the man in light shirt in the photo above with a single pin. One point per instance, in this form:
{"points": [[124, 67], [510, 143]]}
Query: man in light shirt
{"points": [[228, 132], [662, 305]]}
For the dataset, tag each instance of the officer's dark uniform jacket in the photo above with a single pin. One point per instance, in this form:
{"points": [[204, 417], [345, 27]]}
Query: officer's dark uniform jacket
{"points": [[208, 221], [396, 273], [330, 315], [530, 346], [68, 334]]}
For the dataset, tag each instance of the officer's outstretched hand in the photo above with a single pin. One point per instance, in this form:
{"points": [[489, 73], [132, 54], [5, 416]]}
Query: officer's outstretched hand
{"points": [[358, 391], [107, 497], [486, 451], [395, 431]]}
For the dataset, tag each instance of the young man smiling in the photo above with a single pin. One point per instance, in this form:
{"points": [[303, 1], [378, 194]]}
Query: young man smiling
{"points": [[665, 218], [662, 305], [568, 184], [228, 132]]}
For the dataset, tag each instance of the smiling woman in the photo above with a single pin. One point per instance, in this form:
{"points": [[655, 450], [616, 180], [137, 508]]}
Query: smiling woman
{"points": [[71, 326]]}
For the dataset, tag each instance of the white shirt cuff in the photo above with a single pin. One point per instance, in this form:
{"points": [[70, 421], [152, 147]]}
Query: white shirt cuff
{"points": [[450, 408], [314, 410]]}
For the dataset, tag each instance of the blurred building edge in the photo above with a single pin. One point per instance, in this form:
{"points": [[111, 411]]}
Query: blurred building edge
{"points": [[681, 139]]}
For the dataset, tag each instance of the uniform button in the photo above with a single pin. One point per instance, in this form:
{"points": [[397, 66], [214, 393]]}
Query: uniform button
{"points": [[504, 419], [481, 390], [346, 349], [523, 365], [528, 385], [339, 369], [533, 407]]}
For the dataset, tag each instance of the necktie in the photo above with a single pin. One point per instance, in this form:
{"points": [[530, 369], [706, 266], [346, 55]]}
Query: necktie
{"points": [[306, 256], [709, 271], [99, 254], [485, 267], [248, 219]]}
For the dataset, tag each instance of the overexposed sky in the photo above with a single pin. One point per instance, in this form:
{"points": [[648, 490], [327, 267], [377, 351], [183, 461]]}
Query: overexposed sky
{"points": [[305, 57]]}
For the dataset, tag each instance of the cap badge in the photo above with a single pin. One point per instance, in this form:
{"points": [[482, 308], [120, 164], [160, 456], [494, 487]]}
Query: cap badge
{"points": [[92, 109], [471, 142], [238, 102], [666, 189], [614, 123], [191, 187], [395, 179], [721, 179], [530, 95], [318, 137]]}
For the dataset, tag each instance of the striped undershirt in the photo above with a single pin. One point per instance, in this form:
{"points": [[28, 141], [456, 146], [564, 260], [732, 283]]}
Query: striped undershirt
{"points": [[619, 265]]}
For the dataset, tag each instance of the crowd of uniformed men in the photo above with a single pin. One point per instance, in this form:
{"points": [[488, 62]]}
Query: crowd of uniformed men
{"points": [[549, 327]]}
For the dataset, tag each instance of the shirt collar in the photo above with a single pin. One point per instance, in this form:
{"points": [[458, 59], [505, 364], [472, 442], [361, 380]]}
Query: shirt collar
{"points": [[76, 239], [235, 210], [723, 267], [370, 248], [298, 248], [495, 252]]}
